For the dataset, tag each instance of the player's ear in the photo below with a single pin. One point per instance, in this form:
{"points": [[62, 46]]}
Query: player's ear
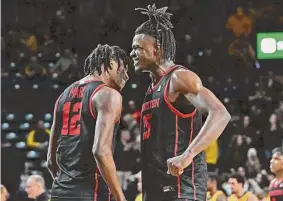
{"points": [[157, 51], [112, 63]]}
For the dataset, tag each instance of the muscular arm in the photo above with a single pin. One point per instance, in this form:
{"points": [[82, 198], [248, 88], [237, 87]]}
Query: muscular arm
{"points": [[51, 154], [188, 83], [108, 104]]}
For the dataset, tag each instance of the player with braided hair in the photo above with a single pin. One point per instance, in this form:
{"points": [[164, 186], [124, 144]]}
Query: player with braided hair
{"points": [[173, 138], [86, 118], [102, 55]]}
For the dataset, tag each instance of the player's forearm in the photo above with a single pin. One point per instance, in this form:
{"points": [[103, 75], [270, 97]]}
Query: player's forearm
{"points": [[211, 130], [107, 168]]}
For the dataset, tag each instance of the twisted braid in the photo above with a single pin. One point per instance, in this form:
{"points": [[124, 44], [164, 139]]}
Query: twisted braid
{"points": [[159, 27], [102, 55]]}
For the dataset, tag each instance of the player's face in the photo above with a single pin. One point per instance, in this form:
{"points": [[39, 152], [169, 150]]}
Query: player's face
{"points": [[276, 163], [144, 53], [118, 75], [234, 185], [4, 195], [210, 184]]}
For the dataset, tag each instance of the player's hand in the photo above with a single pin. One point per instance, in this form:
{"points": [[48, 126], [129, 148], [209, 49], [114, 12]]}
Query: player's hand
{"points": [[176, 165]]}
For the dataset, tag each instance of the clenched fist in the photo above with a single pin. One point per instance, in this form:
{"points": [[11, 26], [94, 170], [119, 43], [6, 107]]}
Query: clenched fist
{"points": [[176, 165]]}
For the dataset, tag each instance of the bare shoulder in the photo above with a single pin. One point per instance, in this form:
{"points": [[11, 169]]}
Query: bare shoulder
{"points": [[186, 81], [107, 96]]}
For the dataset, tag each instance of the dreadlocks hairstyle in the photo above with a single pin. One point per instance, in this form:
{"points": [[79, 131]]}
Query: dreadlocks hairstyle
{"points": [[159, 27], [102, 55]]}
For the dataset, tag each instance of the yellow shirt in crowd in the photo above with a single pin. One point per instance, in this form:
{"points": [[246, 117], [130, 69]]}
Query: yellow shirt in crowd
{"points": [[243, 198], [139, 197], [214, 197], [211, 153]]}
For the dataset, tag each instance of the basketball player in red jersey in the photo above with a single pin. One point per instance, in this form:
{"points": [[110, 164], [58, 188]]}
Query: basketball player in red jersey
{"points": [[276, 167], [86, 117], [173, 139]]}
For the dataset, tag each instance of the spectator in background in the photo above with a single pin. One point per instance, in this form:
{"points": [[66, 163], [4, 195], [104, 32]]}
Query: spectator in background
{"points": [[16, 49], [239, 23], [139, 187], [213, 192], [237, 182], [241, 171], [31, 43], [48, 48], [262, 196], [29, 40], [279, 113], [211, 156], [253, 164], [126, 156], [238, 151], [242, 49], [272, 136], [38, 137], [262, 179], [4, 193], [47, 40], [256, 189], [130, 122], [35, 188], [35, 70], [248, 130], [66, 67]]}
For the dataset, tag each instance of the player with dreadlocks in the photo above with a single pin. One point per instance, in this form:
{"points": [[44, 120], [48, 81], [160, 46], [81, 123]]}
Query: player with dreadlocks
{"points": [[173, 139], [86, 117]]}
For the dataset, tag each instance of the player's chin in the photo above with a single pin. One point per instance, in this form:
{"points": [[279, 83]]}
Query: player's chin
{"points": [[138, 68], [272, 169], [122, 85]]}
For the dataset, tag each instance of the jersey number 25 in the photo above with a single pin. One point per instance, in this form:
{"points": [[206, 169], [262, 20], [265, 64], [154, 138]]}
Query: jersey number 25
{"points": [[147, 126]]}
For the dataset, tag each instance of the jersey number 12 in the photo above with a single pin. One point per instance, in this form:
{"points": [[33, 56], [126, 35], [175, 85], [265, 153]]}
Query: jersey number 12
{"points": [[71, 125]]}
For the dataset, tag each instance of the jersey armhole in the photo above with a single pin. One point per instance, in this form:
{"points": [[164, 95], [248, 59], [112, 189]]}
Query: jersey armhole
{"points": [[56, 106], [90, 100], [171, 107]]}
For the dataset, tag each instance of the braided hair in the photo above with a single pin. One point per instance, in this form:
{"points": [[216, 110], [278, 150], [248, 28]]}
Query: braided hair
{"points": [[102, 54], [159, 27]]}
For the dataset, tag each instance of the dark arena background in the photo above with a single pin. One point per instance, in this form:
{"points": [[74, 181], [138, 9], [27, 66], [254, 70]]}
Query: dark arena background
{"points": [[235, 46]]}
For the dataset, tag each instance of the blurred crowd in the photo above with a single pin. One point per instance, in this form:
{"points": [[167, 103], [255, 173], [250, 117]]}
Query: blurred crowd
{"points": [[43, 50]]}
